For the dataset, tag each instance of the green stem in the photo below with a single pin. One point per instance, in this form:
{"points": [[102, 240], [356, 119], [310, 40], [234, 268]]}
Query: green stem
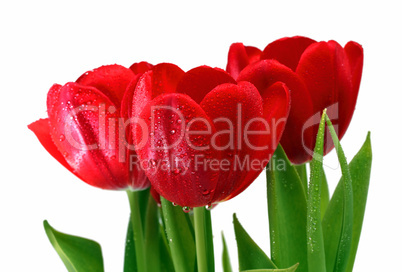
{"points": [[201, 238], [133, 198]]}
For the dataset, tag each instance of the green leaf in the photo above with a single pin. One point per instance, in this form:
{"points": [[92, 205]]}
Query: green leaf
{"points": [[345, 238], [324, 194], [287, 212], [225, 256], [78, 254], [360, 168], [302, 172], [152, 252], [250, 254], [290, 269], [129, 254], [180, 237], [315, 240], [166, 258]]}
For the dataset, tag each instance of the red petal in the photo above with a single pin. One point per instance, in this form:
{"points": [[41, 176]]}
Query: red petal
{"points": [[287, 50], [240, 56], [354, 52], [112, 80], [80, 119], [295, 139], [253, 53], [235, 110], [42, 131], [127, 101], [276, 104], [201, 80], [324, 67], [163, 78], [169, 152], [140, 67]]}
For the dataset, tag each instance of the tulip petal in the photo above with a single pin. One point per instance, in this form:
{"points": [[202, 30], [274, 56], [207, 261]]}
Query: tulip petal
{"points": [[324, 67], [163, 78], [112, 80], [175, 135], [239, 57], [140, 67], [236, 111], [199, 81], [287, 50], [354, 52], [127, 101], [276, 107], [42, 131], [264, 74], [81, 126]]}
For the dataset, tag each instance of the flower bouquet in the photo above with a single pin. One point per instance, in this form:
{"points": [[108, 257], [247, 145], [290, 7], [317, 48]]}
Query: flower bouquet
{"points": [[180, 143]]}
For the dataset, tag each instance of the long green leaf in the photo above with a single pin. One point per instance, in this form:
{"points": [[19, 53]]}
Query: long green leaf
{"points": [[287, 212], [302, 172], [250, 254], [180, 238], [324, 194], [345, 241], [225, 256], [166, 258], [78, 254], [360, 167], [130, 264], [290, 269], [152, 252], [315, 241]]}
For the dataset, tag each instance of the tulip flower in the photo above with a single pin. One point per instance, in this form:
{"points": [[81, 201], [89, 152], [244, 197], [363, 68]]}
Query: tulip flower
{"points": [[85, 128], [203, 136], [319, 75]]}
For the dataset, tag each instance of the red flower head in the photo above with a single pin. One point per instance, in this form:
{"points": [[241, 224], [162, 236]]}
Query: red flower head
{"points": [[202, 137], [319, 75], [85, 130]]}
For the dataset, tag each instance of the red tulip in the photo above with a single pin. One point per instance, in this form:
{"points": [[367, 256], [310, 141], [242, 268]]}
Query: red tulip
{"points": [[319, 75], [194, 129], [85, 130]]}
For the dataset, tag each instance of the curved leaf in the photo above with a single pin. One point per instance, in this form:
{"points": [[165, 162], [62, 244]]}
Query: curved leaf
{"points": [[345, 238], [360, 168], [250, 254], [78, 254], [315, 240], [290, 269], [225, 256], [287, 212]]}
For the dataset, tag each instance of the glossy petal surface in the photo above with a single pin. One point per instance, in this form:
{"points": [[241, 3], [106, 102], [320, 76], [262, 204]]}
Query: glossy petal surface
{"points": [[111, 80], [80, 119], [177, 135]]}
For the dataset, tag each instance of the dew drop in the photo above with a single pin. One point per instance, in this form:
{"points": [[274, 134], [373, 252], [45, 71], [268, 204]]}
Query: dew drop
{"points": [[206, 192], [186, 209], [62, 138], [176, 171], [172, 131], [209, 206], [174, 204]]}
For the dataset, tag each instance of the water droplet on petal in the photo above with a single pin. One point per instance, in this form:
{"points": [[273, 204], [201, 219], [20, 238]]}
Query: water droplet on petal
{"points": [[62, 138], [172, 131]]}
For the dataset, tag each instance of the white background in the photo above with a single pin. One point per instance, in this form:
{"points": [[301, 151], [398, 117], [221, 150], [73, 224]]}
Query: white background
{"points": [[46, 42]]}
